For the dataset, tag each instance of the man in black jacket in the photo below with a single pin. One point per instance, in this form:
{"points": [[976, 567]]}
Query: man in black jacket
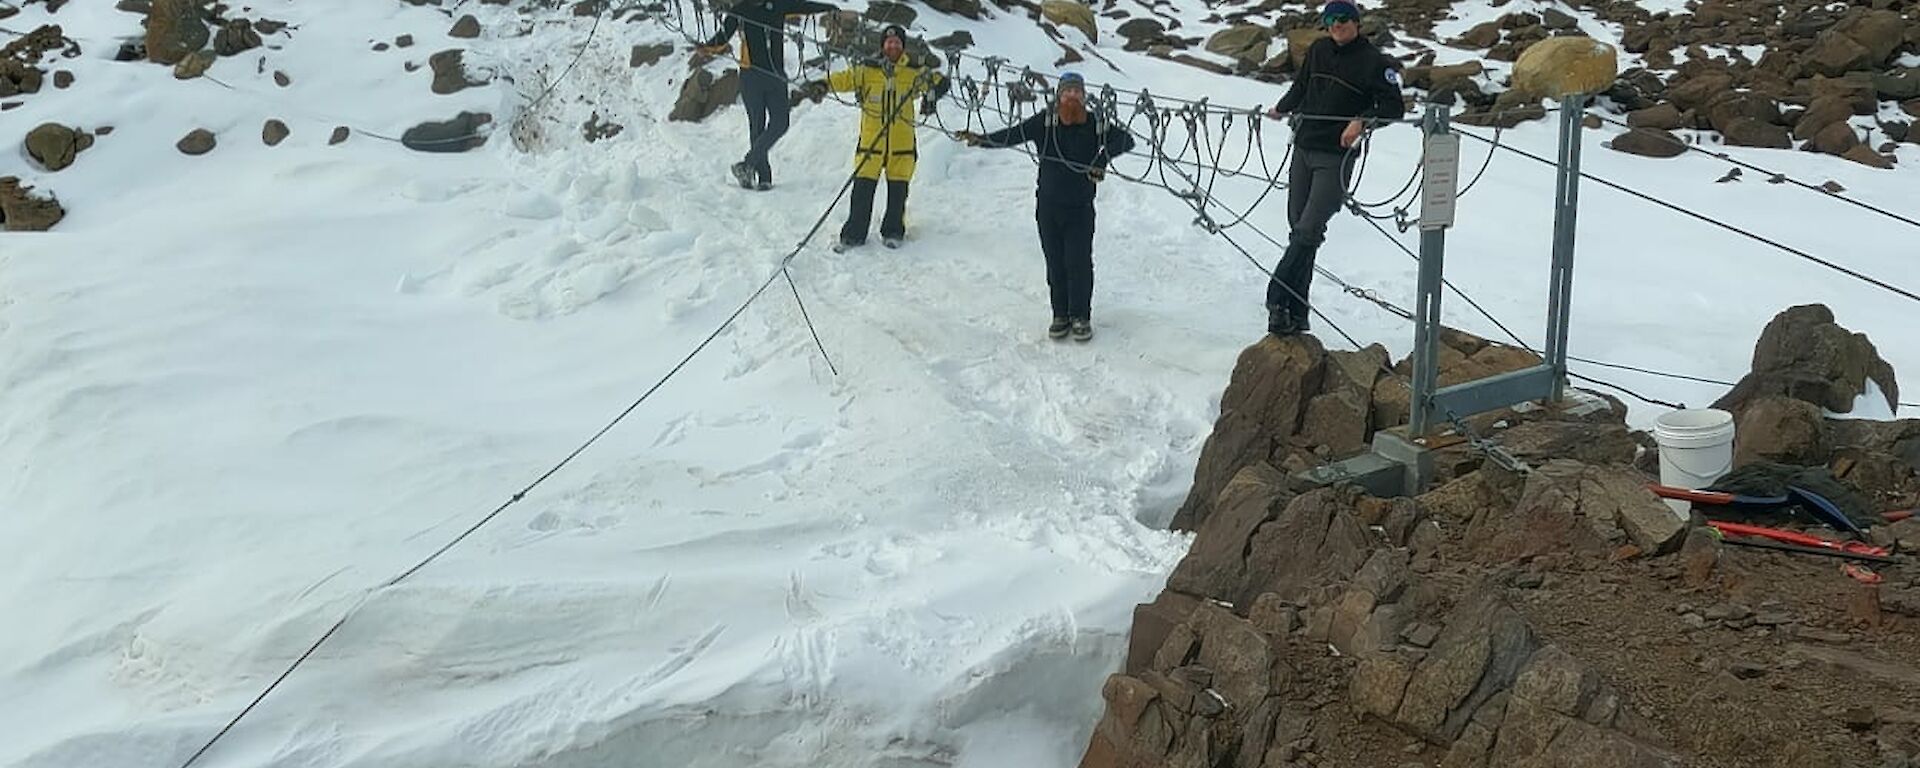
{"points": [[763, 77], [1343, 85], [1074, 147]]}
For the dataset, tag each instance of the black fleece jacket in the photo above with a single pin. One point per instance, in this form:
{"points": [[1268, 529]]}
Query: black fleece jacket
{"points": [[1354, 80]]}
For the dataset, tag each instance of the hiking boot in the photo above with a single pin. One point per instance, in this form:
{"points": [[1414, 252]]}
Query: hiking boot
{"points": [[1059, 328], [1280, 321], [890, 242], [1082, 330], [763, 185], [742, 174]]}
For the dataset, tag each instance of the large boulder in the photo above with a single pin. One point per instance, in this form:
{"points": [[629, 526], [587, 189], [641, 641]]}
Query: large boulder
{"points": [[54, 145], [1299, 40], [1803, 354], [1071, 13], [1879, 32], [1564, 66], [1834, 54], [702, 94], [175, 28], [1246, 43]]}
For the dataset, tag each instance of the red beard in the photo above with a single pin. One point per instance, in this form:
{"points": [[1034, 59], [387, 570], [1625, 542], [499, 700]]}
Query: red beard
{"points": [[1073, 112]]}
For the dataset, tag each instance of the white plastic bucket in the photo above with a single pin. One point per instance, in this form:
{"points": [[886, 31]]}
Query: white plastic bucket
{"points": [[1696, 448]]}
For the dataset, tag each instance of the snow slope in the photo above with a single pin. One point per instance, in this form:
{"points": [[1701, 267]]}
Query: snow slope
{"points": [[242, 390]]}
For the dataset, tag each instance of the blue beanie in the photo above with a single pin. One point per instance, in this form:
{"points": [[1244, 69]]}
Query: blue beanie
{"points": [[1340, 8]]}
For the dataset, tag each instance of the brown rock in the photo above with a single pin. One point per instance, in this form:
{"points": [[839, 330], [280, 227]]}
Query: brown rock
{"points": [[466, 28], [1315, 541], [1245, 42], [1478, 655], [1834, 54], [1802, 353], [1698, 91], [281, 79], [450, 72], [1555, 680], [1338, 421], [406, 41], [459, 134], [1663, 116], [1298, 41], [193, 65], [1780, 429], [1698, 556], [1836, 139], [1856, 88], [644, 55], [174, 29], [1152, 624], [23, 211], [1242, 662], [198, 142], [1481, 36], [1878, 32], [1070, 13], [274, 132], [1864, 155], [1748, 132], [53, 145], [1563, 66], [235, 37], [1264, 401], [1728, 107], [1378, 685], [1591, 443], [340, 133], [1216, 564], [1648, 142], [1822, 113], [63, 79]]}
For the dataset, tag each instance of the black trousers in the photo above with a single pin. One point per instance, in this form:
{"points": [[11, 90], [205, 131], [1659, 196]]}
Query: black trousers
{"points": [[1066, 237], [860, 212], [765, 96], [1316, 186]]}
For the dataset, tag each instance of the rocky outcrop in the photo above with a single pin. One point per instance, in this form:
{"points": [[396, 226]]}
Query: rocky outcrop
{"points": [[1804, 354]]}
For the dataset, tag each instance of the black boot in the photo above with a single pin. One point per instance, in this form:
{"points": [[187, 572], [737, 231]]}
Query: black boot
{"points": [[1280, 321]]}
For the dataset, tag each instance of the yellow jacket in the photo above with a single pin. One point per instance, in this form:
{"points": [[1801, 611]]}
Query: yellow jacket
{"points": [[882, 89]]}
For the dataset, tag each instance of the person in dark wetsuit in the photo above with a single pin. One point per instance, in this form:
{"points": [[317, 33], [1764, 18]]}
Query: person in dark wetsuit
{"points": [[1342, 76], [763, 77], [1074, 147]]}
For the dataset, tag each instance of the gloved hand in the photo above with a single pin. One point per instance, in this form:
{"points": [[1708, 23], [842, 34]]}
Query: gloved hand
{"points": [[1097, 173], [926, 106], [1274, 113], [815, 90], [970, 138]]}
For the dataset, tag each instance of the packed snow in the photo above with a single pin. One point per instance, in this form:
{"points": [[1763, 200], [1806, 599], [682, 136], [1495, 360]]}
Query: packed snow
{"points": [[243, 390]]}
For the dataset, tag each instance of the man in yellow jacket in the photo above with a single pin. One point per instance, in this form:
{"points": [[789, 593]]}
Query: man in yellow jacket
{"points": [[886, 88]]}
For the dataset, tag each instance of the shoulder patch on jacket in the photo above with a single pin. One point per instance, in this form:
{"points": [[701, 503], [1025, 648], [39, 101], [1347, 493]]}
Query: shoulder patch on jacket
{"points": [[1393, 77]]}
